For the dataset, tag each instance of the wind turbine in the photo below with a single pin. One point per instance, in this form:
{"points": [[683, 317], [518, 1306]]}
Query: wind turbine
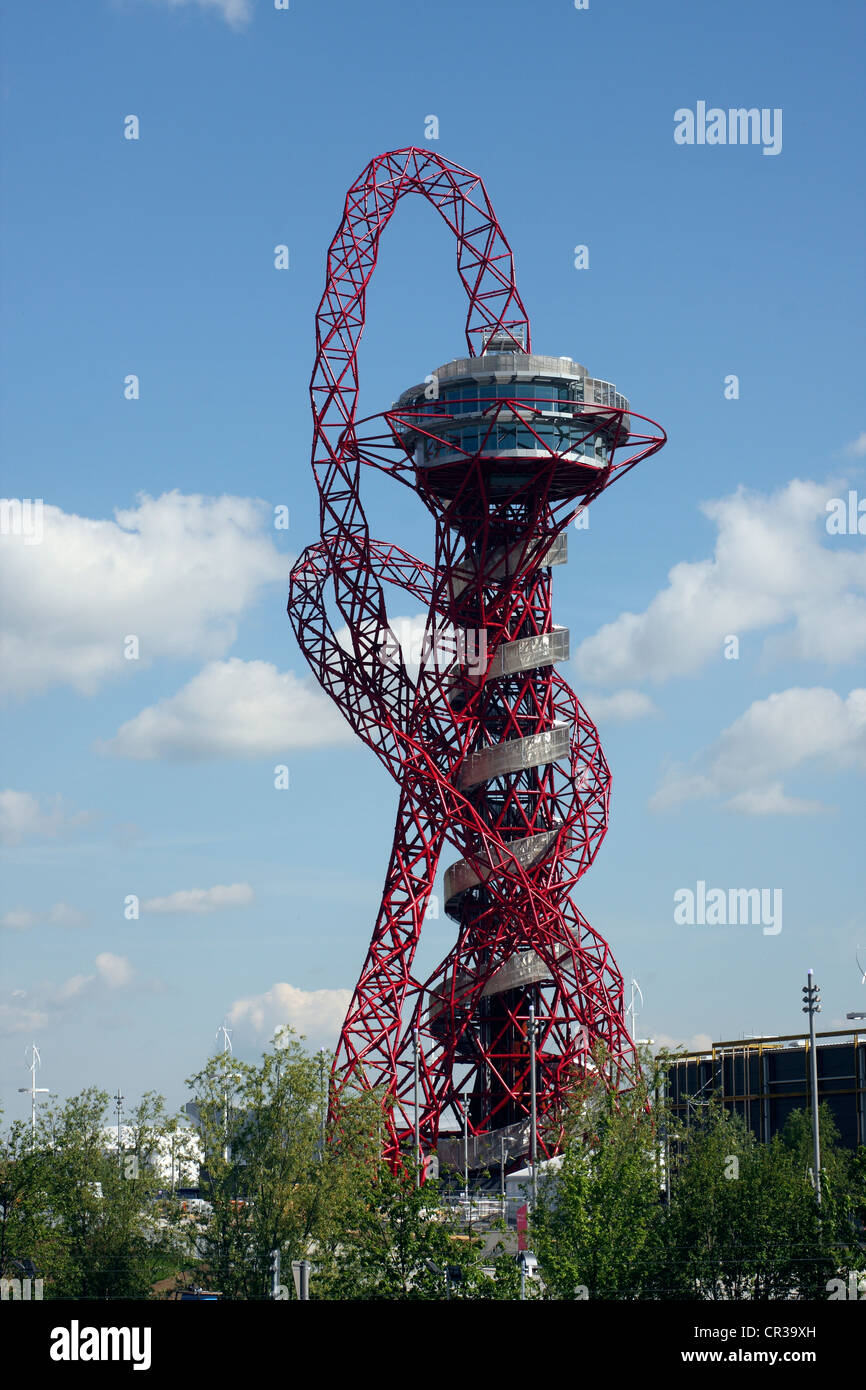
{"points": [[630, 1011], [862, 981], [35, 1061], [227, 1049]]}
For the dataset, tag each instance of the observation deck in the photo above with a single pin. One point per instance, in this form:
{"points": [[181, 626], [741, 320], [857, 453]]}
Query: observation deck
{"points": [[520, 414]]}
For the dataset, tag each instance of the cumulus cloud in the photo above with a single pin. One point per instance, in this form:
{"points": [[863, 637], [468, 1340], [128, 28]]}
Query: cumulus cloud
{"points": [[60, 915], [233, 709], [774, 567], [407, 633], [23, 818], [195, 902], [174, 572], [618, 707], [857, 448], [773, 737], [18, 1014], [114, 971], [236, 13], [773, 800], [317, 1014], [23, 1011], [698, 1042]]}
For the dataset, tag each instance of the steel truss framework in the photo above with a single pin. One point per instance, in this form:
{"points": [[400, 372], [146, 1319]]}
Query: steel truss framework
{"points": [[526, 827]]}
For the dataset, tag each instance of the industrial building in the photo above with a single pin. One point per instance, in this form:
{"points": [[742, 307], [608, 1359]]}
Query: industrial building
{"points": [[765, 1079]]}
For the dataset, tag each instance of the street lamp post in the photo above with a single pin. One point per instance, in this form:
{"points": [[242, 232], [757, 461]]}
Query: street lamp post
{"points": [[502, 1172], [528, 1267], [301, 1276], [417, 1125], [466, 1146], [324, 1099], [533, 1103], [812, 1006], [118, 1108]]}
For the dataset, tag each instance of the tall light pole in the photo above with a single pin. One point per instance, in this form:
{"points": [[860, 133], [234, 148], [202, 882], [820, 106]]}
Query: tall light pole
{"points": [[466, 1145], [502, 1171], [533, 1108], [812, 1006], [118, 1110], [35, 1061], [417, 1124], [324, 1101]]}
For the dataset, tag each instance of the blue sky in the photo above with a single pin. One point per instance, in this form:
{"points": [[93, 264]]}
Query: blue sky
{"points": [[154, 257]]}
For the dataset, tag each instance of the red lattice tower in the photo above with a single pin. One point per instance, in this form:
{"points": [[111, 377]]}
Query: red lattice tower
{"points": [[490, 749]]}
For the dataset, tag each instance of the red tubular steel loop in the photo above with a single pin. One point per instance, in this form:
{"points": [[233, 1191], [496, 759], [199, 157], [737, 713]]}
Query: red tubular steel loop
{"points": [[524, 838]]}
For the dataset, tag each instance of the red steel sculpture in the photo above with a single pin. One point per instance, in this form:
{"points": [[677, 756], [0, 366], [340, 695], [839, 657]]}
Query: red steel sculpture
{"points": [[490, 749]]}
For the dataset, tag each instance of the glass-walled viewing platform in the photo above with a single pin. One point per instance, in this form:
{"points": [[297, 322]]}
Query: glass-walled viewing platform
{"points": [[511, 407]]}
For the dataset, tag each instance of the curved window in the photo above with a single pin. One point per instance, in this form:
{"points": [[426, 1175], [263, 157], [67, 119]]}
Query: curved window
{"points": [[473, 396], [555, 437], [564, 424]]}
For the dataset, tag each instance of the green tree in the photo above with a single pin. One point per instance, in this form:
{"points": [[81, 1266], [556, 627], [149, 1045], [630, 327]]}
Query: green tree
{"points": [[270, 1180], [744, 1222], [113, 1241], [709, 1231], [26, 1232], [81, 1215], [400, 1243], [597, 1227], [837, 1244]]}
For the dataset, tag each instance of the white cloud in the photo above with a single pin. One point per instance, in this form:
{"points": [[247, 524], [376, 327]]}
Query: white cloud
{"points": [[60, 915], [175, 572], [318, 1014], [408, 633], [698, 1042], [19, 919], [773, 800], [198, 901], [233, 709], [618, 707], [236, 13], [772, 737], [22, 818], [857, 448], [19, 1015], [114, 971], [774, 566], [23, 1011]]}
